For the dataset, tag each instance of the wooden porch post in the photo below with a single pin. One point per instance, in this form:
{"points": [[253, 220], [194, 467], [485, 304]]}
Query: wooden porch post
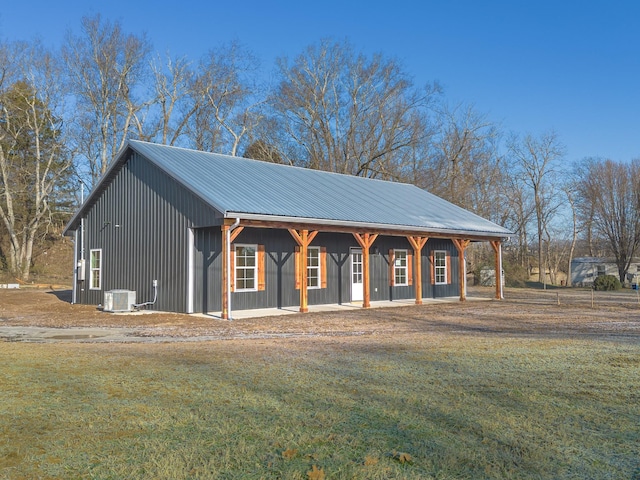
{"points": [[417, 243], [226, 245], [365, 241], [497, 248], [461, 246], [303, 238]]}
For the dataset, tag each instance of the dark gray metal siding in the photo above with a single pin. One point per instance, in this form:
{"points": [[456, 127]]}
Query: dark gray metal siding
{"points": [[452, 288], [141, 223], [208, 269], [280, 269], [379, 264]]}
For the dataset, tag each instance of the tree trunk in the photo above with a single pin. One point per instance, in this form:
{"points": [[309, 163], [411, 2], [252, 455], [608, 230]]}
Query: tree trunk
{"points": [[574, 239]]}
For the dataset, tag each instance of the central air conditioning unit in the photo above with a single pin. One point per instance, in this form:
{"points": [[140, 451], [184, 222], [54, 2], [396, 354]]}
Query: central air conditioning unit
{"points": [[119, 300]]}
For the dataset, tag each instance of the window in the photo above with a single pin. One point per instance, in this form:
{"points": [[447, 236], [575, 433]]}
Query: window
{"points": [[400, 267], [601, 270], [440, 266], [313, 267], [95, 265], [316, 267], [246, 267]]}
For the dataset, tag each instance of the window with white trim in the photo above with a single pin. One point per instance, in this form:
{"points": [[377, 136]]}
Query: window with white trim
{"points": [[601, 270], [400, 268], [440, 266], [246, 267], [95, 269], [313, 267]]}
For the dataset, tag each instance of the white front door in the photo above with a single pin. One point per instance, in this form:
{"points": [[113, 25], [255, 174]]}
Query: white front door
{"points": [[356, 276]]}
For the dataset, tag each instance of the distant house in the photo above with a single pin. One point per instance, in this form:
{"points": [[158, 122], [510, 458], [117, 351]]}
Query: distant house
{"points": [[205, 231], [584, 270]]}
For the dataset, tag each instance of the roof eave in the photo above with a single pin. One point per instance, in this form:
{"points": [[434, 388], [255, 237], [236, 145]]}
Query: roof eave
{"points": [[361, 226]]}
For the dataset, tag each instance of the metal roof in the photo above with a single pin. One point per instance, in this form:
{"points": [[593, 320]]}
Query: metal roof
{"points": [[244, 188]]}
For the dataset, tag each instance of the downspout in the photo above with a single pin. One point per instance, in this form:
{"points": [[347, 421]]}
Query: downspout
{"points": [[228, 254], [75, 266], [83, 278]]}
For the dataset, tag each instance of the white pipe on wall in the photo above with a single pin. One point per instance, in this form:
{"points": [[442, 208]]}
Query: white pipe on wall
{"points": [[75, 266]]}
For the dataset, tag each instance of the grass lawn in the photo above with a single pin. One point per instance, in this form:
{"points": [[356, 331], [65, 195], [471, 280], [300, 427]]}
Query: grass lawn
{"points": [[432, 405]]}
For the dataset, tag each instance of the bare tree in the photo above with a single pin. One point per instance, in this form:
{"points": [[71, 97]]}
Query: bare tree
{"points": [[537, 160], [269, 141], [463, 164], [570, 190], [585, 208], [106, 68], [556, 249], [612, 191], [520, 211], [173, 100], [33, 160], [261, 150], [347, 113], [226, 98]]}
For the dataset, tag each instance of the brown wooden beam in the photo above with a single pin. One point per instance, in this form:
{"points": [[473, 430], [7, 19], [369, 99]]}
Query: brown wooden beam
{"points": [[303, 238], [417, 243], [235, 233], [497, 248], [365, 240], [461, 246]]}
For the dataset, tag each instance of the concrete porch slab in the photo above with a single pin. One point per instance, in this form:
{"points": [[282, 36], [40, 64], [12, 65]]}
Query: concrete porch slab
{"points": [[335, 307]]}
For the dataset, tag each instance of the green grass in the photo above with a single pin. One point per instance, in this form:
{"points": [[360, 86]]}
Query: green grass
{"points": [[460, 406]]}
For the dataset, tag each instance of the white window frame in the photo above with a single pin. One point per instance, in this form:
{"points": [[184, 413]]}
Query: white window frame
{"points": [[440, 271], [92, 269], [399, 269], [311, 268], [244, 268], [601, 270]]}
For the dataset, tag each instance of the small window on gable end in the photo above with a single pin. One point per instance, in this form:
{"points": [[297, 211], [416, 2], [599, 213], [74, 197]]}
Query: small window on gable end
{"points": [[95, 265]]}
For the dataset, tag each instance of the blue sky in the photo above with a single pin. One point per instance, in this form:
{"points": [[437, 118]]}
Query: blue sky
{"points": [[572, 66]]}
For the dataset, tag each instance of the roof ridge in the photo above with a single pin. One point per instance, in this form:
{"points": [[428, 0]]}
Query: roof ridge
{"points": [[277, 165]]}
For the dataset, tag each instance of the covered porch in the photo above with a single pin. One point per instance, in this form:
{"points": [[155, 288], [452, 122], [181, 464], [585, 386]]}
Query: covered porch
{"points": [[304, 233]]}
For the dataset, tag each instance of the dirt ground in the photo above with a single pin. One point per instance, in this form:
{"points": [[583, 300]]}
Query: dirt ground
{"points": [[523, 312]]}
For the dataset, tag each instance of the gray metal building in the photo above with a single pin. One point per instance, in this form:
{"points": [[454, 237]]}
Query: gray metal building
{"points": [[201, 232]]}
